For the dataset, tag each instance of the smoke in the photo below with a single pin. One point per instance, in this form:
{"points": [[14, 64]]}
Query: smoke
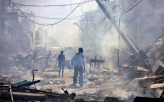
{"points": [[142, 29], [67, 37]]}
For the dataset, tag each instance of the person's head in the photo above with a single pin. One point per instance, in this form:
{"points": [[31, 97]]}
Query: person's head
{"points": [[81, 50], [73, 95], [61, 52]]}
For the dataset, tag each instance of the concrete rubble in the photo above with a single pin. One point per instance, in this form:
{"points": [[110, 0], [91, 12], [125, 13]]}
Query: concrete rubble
{"points": [[24, 78], [136, 81]]}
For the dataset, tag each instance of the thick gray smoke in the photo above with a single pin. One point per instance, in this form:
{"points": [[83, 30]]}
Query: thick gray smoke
{"points": [[141, 26]]}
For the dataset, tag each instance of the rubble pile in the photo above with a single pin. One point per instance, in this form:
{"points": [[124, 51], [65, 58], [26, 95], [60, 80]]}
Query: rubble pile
{"points": [[91, 97], [133, 81], [21, 91]]}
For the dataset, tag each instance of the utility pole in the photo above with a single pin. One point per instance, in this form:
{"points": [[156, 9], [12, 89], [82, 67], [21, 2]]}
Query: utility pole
{"points": [[125, 38]]}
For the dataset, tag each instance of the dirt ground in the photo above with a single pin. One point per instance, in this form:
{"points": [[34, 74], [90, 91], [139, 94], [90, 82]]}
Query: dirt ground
{"points": [[68, 78]]}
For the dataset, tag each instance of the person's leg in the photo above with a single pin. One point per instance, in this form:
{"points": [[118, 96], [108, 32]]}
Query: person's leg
{"points": [[81, 77], [75, 75], [59, 69], [50, 59], [62, 70], [46, 63]]}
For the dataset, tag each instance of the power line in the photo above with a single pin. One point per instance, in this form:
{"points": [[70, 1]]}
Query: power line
{"points": [[45, 24], [104, 17], [126, 3], [128, 10], [19, 4], [73, 13], [91, 19], [70, 18], [84, 16], [119, 26], [100, 22], [119, 39], [51, 18], [97, 23]]}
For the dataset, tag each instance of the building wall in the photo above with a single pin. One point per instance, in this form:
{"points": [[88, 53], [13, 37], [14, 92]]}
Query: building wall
{"points": [[146, 22], [17, 38]]}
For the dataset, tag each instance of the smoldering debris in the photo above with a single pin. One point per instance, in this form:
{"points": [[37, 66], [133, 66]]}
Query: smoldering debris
{"points": [[140, 81], [109, 83], [142, 78]]}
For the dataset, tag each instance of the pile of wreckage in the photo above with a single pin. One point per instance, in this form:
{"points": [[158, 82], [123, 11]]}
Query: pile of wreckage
{"points": [[143, 77], [135, 79], [22, 92], [139, 77], [143, 74]]}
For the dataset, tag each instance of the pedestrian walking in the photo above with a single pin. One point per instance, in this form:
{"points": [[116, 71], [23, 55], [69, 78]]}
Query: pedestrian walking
{"points": [[61, 62], [79, 67]]}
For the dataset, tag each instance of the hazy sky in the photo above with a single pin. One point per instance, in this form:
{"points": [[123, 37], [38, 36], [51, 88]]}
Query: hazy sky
{"points": [[65, 31]]}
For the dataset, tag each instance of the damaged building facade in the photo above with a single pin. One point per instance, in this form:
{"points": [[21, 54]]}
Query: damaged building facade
{"points": [[144, 23], [123, 49], [17, 33]]}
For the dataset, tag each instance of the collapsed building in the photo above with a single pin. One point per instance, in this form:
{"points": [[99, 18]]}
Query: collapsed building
{"points": [[140, 75]]}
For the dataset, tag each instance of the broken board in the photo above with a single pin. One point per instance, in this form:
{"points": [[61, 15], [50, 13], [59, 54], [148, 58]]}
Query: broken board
{"points": [[158, 68]]}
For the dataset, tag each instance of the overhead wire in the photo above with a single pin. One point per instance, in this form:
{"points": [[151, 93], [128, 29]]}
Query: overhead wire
{"points": [[49, 18], [123, 3], [70, 18], [45, 24], [133, 1], [119, 23], [122, 10], [91, 19], [59, 18], [110, 27], [101, 21], [119, 26], [103, 18], [52, 5], [98, 22], [128, 10], [84, 16], [119, 37], [73, 13]]}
